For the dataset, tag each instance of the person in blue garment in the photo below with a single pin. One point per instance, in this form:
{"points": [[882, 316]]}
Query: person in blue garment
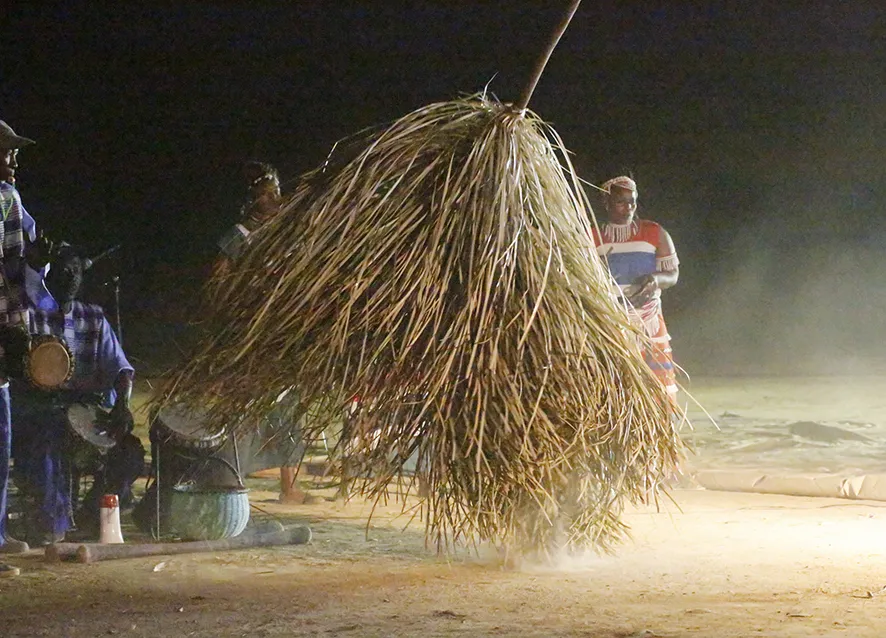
{"points": [[102, 374], [16, 226]]}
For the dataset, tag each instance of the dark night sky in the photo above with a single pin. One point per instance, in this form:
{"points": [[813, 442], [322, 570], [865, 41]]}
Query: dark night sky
{"points": [[756, 132]]}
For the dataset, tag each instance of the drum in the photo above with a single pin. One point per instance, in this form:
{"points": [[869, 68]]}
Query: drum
{"points": [[49, 363], [89, 424], [184, 427]]}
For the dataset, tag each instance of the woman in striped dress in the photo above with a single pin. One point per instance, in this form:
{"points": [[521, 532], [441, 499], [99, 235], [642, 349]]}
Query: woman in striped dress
{"points": [[641, 257]]}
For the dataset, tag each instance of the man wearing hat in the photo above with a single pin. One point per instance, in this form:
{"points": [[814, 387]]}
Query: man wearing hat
{"points": [[642, 259], [13, 313], [10, 143]]}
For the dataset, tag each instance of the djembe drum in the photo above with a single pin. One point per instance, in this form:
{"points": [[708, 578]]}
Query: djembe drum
{"points": [[89, 423], [49, 363], [88, 435], [183, 428], [187, 460], [186, 447]]}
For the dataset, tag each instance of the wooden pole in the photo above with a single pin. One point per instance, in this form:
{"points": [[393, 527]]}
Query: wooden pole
{"points": [[543, 60]]}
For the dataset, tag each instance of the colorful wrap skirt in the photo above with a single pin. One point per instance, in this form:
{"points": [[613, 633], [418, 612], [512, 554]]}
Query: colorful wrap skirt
{"points": [[658, 354]]}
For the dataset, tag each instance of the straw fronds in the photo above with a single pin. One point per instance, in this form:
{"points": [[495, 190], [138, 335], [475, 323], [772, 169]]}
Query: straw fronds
{"points": [[442, 271]]}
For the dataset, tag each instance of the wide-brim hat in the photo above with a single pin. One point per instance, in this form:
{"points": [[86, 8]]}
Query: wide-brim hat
{"points": [[9, 139]]}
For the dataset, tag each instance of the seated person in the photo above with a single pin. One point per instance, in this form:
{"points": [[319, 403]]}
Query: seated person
{"points": [[45, 467]]}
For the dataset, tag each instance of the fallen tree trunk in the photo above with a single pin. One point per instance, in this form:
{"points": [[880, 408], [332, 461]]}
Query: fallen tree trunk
{"points": [[69, 551], [94, 552], [60, 551]]}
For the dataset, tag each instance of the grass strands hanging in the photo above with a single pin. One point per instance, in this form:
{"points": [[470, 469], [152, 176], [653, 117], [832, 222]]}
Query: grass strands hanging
{"points": [[442, 270]]}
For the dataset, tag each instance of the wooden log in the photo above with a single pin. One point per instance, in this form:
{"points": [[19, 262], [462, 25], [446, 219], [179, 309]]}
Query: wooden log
{"points": [[92, 552], [68, 551], [60, 551]]}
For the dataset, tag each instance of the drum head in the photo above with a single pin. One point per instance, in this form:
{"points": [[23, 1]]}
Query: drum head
{"points": [[186, 426], [90, 423], [50, 363]]}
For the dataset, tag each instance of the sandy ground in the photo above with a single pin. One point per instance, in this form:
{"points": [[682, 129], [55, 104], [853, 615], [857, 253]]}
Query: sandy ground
{"points": [[720, 564], [753, 423], [859, 399]]}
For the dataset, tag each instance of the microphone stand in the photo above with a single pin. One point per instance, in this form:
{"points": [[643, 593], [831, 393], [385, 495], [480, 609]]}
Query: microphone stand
{"points": [[116, 282], [118, 328]]}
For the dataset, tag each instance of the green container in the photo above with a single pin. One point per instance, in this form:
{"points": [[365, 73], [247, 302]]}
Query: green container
{"points": [[208, 513]]}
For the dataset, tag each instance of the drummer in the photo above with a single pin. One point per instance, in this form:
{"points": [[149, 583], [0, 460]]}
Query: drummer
{"points": [[101, 373]]}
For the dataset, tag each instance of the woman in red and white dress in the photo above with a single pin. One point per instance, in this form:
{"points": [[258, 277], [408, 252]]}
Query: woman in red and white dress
{"points": [[641, 257]]}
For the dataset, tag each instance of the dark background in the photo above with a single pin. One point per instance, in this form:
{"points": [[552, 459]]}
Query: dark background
{"points": [[756, 132]]}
